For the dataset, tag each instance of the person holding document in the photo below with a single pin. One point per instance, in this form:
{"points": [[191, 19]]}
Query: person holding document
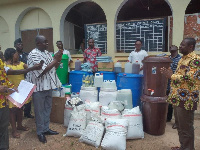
{"points": [[13, 65], [5, 84], [45, 80]]}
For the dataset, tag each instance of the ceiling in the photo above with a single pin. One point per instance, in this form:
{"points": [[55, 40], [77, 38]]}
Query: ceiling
{"points": [[141, 9], [193, 7], [89, 12]]}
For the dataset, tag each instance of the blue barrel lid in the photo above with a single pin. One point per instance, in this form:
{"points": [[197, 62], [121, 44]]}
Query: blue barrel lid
{"points": [[79, 72], [130, 75], [106, 72]]}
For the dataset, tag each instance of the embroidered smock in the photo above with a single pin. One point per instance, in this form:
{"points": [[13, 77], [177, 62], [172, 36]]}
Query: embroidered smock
{"points": [[90, 55], [49, 80], [185, 83], [4, 81]]}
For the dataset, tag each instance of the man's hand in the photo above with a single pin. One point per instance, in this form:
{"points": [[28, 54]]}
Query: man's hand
{"points": [[12, 90], [58, 55], [5, 89], [38, 66], [167, 72]]}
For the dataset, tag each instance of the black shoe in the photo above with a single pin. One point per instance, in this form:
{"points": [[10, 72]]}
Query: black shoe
{"points": [[29, 116], [51, 132], [42, 138]]}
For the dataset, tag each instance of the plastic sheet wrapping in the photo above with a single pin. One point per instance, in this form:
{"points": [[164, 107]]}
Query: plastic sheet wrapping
{"points": [[86, 67]]}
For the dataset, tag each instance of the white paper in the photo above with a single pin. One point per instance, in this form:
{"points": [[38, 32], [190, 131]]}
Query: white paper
{"points": [[24, 89]]}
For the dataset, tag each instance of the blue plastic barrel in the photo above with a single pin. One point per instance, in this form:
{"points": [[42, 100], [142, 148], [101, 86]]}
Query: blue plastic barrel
{"points": [[133, 82], [75, 79], [108, 75]]}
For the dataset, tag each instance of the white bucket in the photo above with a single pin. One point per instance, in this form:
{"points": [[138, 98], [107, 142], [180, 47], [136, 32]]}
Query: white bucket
{"points": [[56, 93], [91, 95], [109, 85], [67, 88], [125, 96], [106, 97]]}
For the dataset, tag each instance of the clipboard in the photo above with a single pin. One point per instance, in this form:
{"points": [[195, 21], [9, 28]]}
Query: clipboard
{"points": [[25, 90]]}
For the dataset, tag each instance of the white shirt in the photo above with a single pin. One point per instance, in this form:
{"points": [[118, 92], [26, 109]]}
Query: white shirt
{"points": [[67, 53], [137, 56], [47, 81]]}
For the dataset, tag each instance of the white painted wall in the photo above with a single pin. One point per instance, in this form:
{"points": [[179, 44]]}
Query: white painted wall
{"points": [[36, 18], [57, 10], [4, 34]]}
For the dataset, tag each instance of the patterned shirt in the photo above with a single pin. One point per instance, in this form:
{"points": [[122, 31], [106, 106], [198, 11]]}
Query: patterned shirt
{"points": [[47, 81], [173, 66], [4, 81], [185, 83], [90, 55]]}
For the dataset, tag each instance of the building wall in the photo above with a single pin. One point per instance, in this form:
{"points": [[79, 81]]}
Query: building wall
{"points": [[36, 18], [4, 34], [13, 15]]}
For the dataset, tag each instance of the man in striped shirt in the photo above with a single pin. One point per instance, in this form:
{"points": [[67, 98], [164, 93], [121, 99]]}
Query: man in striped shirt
{"points": [[45, 80], [175, 57]]}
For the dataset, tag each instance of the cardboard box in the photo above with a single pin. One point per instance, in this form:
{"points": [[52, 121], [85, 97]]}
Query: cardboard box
{"points": [[105, 66], [57, 111]]}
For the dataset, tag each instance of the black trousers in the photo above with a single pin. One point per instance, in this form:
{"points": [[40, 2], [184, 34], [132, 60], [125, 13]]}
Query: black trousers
{"points": [[170, 110], [27, 109], [4, 122]]}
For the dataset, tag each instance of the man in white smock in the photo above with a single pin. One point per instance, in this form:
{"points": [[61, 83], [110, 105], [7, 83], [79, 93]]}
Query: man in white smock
{"points": [[45, 80], [138, 55]]}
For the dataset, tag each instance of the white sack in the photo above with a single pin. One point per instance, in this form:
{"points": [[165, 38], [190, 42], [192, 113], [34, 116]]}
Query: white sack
{"points": [[135, 128], [93, 134], [91, 108], [67, 114], [109, 113], [115, 136], [77, 122]]}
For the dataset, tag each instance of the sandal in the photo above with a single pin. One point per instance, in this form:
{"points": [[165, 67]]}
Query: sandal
{"points": [[22, 128], [174, 126], [15, 135], [175, 148]]}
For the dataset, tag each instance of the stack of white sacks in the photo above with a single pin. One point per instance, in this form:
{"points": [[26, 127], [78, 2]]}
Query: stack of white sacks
{"points": [[98, 123]]}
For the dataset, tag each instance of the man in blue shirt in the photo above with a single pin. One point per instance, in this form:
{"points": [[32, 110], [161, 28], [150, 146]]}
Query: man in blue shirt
{"points": [[175, 57]]}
